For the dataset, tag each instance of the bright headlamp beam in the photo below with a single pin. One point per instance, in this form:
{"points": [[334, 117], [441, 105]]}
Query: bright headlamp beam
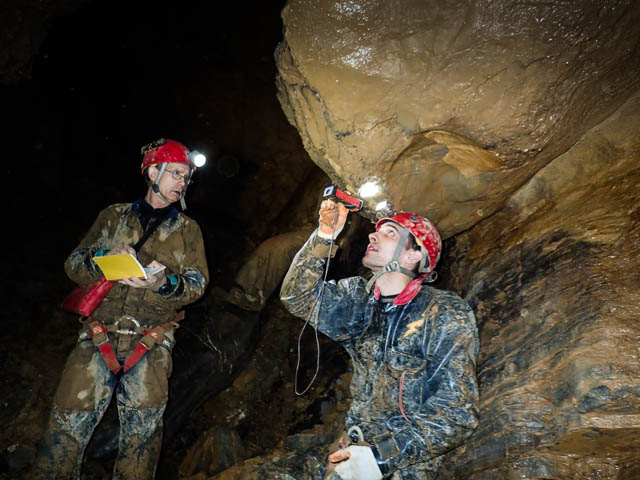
{"points": [[382, 206], [198, 159], [369, 189]]}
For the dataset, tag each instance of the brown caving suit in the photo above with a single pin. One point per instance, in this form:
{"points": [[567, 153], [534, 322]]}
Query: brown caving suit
{"points": [[87, 385]]}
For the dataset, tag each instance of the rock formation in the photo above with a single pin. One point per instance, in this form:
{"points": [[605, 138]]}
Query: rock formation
{"points": [[461, 102], [554, 279]]}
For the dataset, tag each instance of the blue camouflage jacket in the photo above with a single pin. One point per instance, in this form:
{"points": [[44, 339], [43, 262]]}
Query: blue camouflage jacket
{"points": [[414, 386]]}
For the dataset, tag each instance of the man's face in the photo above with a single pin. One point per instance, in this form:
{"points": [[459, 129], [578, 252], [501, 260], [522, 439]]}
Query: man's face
{"points": [[382, 245], [170, 186]]}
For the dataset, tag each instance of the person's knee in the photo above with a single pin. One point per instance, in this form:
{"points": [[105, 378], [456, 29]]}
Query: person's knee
{"points": [[140, 423]]}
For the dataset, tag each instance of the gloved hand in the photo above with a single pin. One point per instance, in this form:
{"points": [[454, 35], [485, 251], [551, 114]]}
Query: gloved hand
{"points": [[332, 217], [356, 463]]}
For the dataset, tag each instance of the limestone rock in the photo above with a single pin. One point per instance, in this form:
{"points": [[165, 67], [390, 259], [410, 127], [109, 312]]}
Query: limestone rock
{"points": [[219, 449], [555, 282], [391, 90]]}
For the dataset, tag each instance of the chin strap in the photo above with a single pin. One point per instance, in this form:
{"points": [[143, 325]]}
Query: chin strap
{"points": [[156, 189], [393, 265]]}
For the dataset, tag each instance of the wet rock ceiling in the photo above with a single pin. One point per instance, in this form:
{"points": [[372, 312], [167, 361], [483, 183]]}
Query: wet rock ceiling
{"points": [[515, 126]]}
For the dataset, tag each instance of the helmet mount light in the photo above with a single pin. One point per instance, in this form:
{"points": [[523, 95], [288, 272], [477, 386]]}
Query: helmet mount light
{"points": [[369, 189], [197, 158], [374, 191]]}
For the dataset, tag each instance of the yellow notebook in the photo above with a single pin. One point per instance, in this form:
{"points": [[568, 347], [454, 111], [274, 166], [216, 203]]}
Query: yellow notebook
{"points": [[115, 267]]}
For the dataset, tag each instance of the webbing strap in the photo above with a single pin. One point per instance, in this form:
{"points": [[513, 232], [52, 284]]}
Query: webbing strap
{"points": [[151, 337], [135, 356], [98, 334]]}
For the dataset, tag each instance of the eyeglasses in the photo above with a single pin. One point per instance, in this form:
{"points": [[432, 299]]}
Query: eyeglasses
{"points": [[178, 175]]}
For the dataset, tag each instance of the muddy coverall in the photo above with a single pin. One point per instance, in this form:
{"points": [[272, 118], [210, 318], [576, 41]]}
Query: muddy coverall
{"points": [[87, 385], [414, 386]]}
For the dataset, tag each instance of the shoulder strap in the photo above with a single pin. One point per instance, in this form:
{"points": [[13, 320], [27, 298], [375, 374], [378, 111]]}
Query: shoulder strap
{"points": [[148, 232]]}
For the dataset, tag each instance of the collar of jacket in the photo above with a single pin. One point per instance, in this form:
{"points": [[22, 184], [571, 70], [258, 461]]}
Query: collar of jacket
{"points": [[406, 295], [142, 208]]}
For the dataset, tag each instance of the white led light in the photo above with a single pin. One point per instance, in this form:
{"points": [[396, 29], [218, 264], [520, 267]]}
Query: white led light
{"points": [[382, 206], [199, 159], [369, 189]]}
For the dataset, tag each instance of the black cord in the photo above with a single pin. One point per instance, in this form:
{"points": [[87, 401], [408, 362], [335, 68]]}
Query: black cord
{"points": [[315, 309]]}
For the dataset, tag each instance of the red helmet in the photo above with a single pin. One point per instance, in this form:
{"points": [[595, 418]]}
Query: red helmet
{"points": [[425, 233], [165, 151]]}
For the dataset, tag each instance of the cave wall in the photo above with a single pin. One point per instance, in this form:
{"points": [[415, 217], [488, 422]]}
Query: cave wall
{"points": [[555, 281], [24, 26]]}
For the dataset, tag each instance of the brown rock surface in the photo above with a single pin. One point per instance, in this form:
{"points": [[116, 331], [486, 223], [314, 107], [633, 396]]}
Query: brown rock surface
{"points": [[555, 281], [393, 89]]}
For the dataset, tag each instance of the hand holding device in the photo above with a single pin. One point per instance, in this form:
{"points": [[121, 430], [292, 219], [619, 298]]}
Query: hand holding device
{"points": [[332, 217]]}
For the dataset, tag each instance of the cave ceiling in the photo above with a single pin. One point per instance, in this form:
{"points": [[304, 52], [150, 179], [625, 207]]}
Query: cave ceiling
{"points": [[451, 106]]}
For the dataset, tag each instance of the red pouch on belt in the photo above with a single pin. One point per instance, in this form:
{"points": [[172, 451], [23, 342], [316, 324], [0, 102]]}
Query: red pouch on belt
{"points": [[84, 299]]}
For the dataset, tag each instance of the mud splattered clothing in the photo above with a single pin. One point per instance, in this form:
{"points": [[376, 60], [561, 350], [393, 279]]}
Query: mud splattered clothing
{"points": [[414, 385], [87, 385], [177, 243]]}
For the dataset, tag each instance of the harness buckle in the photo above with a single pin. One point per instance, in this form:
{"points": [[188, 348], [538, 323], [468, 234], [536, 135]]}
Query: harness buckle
{"points": [[148, 341], [98, 334], [129, 318]]}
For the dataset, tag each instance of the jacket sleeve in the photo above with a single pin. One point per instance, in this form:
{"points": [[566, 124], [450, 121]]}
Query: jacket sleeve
{"points": [[303, 287], [188, 285], [79, 266], [440, 397]]}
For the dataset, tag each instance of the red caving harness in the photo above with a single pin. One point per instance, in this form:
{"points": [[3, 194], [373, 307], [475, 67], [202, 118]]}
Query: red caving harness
{"points": [[150, 336]]}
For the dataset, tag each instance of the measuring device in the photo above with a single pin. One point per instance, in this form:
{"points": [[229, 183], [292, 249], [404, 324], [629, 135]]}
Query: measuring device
{"points": [[350, 202]]}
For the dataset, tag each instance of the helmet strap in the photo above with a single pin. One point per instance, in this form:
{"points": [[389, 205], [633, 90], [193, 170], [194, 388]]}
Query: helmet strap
{"points": [[161, 169], [183, 204], [154, 185], [423, 260]]}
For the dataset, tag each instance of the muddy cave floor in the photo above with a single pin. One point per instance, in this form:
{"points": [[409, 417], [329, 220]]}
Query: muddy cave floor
{"points": [[260, 408]]}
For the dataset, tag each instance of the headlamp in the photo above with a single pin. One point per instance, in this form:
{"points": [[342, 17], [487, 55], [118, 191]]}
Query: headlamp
{"points": [[369, 189], [384, 205], [373, 189], [197, 158]]}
